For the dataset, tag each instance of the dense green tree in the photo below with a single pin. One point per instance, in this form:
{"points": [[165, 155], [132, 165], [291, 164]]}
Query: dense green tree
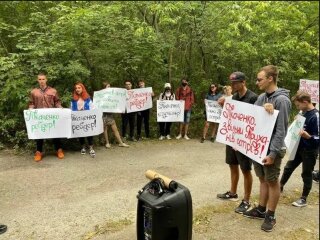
{"points": [[159, 41]]}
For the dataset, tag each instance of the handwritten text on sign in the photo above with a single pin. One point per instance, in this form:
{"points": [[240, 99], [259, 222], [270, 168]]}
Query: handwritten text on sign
{"points": [[213, 111], [139, 99], [111, 100], [246, 128], [86, 123], [293, 137], [311, 87], [170, 111], [48, 123]]}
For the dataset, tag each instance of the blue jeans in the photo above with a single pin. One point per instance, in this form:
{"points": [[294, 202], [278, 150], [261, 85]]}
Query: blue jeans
{"points": [[187, 116]]}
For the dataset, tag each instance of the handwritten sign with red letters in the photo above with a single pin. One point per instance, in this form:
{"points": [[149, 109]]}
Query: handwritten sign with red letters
{"points": [[139, 99], [247, 128], [311, 87]]}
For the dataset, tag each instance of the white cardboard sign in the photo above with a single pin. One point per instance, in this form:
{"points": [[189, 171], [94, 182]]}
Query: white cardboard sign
{"points": [[247, 128]]}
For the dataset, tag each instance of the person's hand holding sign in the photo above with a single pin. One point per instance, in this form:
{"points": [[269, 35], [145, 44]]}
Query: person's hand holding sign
{"points": [[268, 161], [269, 108]]}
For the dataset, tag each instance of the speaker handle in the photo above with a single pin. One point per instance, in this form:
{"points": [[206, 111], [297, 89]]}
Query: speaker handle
{"points": [[169, 183]]}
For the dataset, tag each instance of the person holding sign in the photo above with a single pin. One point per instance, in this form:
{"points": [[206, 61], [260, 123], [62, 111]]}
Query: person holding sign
{"points": [[81, 101], [45, 97], [307, 151], [143, 116], [184, 92], [235, 158], [128, 118], [167, 94], [109, 121], [227, 91], [213, 96], [268, 174]]}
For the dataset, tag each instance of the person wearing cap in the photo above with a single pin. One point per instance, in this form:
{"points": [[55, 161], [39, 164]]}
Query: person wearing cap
{"points": [[184, 92], [269, 173], [212, 95], [235, 158], [167, 94]]}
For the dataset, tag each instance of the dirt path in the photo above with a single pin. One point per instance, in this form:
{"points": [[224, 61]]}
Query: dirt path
{"points": [[84, 198]]}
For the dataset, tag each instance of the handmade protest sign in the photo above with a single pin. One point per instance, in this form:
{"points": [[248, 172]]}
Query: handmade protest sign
{"points": [[293, 137], [139, 99], [111, 100], [86, 123], [170, 111], [213, 111], [47, 123], [311, 87], [247, 128]]}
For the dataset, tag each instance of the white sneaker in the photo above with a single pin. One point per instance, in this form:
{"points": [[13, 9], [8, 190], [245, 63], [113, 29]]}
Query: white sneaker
{"points": [[168, 137], [92, 153], [161, 138], [123, 145], [83, 151], [108, 145], [179, 136], [300, 203], [186, 137]]}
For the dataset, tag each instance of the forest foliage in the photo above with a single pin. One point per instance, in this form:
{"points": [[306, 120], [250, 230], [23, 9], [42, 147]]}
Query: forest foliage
{"points": [[159, 41]]}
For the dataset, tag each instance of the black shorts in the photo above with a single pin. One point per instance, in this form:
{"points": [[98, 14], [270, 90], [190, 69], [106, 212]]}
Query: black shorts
{"points": [[237, 158]]}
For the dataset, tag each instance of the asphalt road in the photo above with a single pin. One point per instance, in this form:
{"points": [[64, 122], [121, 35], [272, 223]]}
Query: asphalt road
{"points": [[66, 199]]}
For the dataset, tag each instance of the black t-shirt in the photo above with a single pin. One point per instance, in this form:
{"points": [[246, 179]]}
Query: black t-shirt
{"points": [[249, 97]]}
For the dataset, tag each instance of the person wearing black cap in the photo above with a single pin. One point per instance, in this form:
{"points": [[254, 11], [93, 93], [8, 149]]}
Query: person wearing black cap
{"points": [[235, 158], [3, 228], [269, 173]]}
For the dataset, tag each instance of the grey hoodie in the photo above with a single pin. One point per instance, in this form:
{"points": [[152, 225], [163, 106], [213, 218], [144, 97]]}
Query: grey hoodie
{"points": [[281, 101]]}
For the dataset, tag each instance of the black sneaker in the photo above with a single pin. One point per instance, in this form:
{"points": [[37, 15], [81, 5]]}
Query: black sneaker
{"points": [[269, 223], [243, 207], [3, 228], [254, 213], [202, 140], [213, 139], [228, 196], [315, 176]]}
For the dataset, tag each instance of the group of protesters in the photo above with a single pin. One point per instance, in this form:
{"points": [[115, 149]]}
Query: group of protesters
{"points": [[45, 96], [273, 98]]}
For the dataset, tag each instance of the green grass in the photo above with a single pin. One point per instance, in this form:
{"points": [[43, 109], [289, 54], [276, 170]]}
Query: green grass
{"points": [[107, 227]]}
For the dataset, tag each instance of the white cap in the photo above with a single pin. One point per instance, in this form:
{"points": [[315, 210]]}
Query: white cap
{"points": [[167, 85]]}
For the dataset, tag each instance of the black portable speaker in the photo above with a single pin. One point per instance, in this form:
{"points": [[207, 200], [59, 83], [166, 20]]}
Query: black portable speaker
{"points": [[164, 214]]}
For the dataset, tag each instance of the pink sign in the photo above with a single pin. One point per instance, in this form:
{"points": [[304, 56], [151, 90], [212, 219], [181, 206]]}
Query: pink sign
{"points": [[312, 87], [139, 99]]}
